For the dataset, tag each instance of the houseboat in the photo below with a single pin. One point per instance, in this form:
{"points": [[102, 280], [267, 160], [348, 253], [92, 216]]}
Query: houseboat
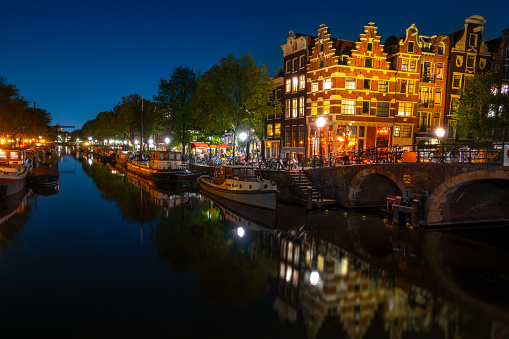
{"points": [[162, 166], [242, 185], [14, 171]]}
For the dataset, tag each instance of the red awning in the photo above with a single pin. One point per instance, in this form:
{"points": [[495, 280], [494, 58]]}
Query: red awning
{"points": [[199, 145], [219, 146]]}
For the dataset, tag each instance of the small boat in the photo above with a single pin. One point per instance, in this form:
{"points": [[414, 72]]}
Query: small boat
{"points": [[242, 185], [162, 166], [121, 158], [14, 171], [45, 175]]}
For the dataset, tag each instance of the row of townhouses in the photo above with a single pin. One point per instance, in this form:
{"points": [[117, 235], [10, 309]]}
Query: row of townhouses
{"points": [[374, 94]]}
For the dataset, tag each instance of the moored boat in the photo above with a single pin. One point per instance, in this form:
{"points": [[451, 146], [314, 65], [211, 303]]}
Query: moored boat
{"points": [[162, 166], [14, 171], [45, 175], [242, 185]]}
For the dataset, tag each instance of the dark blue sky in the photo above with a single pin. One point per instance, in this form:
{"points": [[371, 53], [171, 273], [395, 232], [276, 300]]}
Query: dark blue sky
{"points": [[78, 58]]}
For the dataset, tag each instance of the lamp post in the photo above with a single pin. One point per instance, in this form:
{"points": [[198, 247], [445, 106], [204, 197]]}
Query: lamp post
{"points": [[440, 134], [243, 137], [320, 122], [210, 148]]}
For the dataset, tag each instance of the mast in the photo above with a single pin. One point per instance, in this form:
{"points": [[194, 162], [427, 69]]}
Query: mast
{"points": [[141, 132]]}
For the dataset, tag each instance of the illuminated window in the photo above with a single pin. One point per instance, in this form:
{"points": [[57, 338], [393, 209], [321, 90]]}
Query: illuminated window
{"points": [[277, 131], [288, 143], [350, 83], [294, 107], [440, 71], [406, 131], [314, 108], [424, 96], [412, 65], [327, 84], [438, 96], [326, 106], [288, 85], [383, 86], [405, 109], [404, 65], [382, 109], [397, 130], [505, 89], [411, 86], [287, 109], [302, 82], [347, 106], [314, 86], [270, 131], [301, 106], [295, 84], [301, 144]]}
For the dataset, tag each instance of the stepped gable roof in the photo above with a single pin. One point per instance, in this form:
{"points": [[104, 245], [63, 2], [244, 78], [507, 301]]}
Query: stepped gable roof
{"points": [[343, 46]]}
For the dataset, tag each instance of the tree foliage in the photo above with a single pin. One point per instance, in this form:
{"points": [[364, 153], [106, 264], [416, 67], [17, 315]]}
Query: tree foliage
{"points": [[232, 95], [175, 96], [481, 111]]}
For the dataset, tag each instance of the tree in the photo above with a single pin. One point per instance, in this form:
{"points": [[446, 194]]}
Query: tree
{"points": [[175, 95], [233, 94], [12, 106], [481, 110]]}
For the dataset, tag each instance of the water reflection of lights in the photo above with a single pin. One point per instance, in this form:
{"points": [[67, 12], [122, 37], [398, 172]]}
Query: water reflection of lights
{"points": [[90, 161], [314, 277], [240, 232]]}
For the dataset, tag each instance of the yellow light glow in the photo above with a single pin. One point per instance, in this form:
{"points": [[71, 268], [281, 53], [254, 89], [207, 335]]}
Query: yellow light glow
{"points": [[2, 141]]}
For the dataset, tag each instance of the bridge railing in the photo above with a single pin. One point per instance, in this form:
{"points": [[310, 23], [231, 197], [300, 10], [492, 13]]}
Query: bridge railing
{"points": [[439, 153]]}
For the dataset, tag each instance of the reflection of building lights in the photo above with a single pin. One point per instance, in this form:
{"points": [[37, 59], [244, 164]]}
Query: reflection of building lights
{"points": [[314, 277], [240, 232], [288, 275]]}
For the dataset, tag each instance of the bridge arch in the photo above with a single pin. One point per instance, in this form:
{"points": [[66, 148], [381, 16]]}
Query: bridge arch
{"points": [[371, 185], [466, 196]]}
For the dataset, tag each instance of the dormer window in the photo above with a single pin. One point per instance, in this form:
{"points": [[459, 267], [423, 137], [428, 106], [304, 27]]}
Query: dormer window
{"points": [[369, 62], [441, 48], [370, 46], [473, 39]]}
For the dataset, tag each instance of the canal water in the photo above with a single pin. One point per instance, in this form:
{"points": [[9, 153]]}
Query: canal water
{"points": [[108, 255]]}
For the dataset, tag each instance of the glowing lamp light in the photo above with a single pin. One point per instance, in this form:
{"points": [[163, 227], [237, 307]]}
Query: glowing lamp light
{"points": [[243, 136], [314, 277], [440, 133], [320, 122], [240, 232], [167, 140]]}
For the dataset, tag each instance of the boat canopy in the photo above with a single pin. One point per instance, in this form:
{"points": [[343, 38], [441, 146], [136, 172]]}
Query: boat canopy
{"points": [[165, 155]]}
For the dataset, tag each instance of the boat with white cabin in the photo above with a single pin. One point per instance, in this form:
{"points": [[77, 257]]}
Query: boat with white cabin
{"points": [[14, 171], [240, 184], [162, 166]]}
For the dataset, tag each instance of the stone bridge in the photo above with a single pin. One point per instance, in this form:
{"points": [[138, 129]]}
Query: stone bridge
{"points": [[441, 194]]}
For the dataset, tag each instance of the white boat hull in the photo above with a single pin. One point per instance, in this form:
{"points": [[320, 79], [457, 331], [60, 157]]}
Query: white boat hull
{"points": [[11, 184], [259, 198]]}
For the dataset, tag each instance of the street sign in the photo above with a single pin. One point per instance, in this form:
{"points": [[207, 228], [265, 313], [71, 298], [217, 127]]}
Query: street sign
{"points": [[407, 179]]}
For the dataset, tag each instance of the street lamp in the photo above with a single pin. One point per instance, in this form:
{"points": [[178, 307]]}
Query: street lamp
{"points": [[320, 122], [440, 133]]}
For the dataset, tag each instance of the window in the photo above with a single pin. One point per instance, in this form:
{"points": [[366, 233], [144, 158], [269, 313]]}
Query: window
{"points": [[441, 48], [288, 66], [288, 137], [440, 71], [320, 63], [370, 46], [278, 94], [424, 97], [344, 59], [295, 136], [367, 84], [405, 109], [314, 108], [295, 84], [470, 61], [382, 109], [314, 86], [369, 62], [287, 109], [326, 106], [382, 86], [454, 105], [413, 64], [288, 85], [410, 47], [301, 106], [270, 131], [411, 86], [406, 131], [505, 89], [438, 96], [473, 39], [350, 83], [302, 82], [327, 84], [295, 64], [365, 107], [456, 80], [403, 86], [294, 107], [347, 106], [505, 73], [301, 141], [302, 61], [397, 130], [277, 131], [404, 65]]}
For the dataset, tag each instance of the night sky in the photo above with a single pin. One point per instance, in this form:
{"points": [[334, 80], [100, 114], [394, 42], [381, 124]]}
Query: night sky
{"points": [[78, 58]]}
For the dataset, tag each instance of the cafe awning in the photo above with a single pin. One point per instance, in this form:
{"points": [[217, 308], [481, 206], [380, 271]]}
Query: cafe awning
{"points": [[219, 146], [199, 145]]}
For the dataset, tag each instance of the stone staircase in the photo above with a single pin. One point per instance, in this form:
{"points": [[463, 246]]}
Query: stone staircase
{"points": [[301, 181]]}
